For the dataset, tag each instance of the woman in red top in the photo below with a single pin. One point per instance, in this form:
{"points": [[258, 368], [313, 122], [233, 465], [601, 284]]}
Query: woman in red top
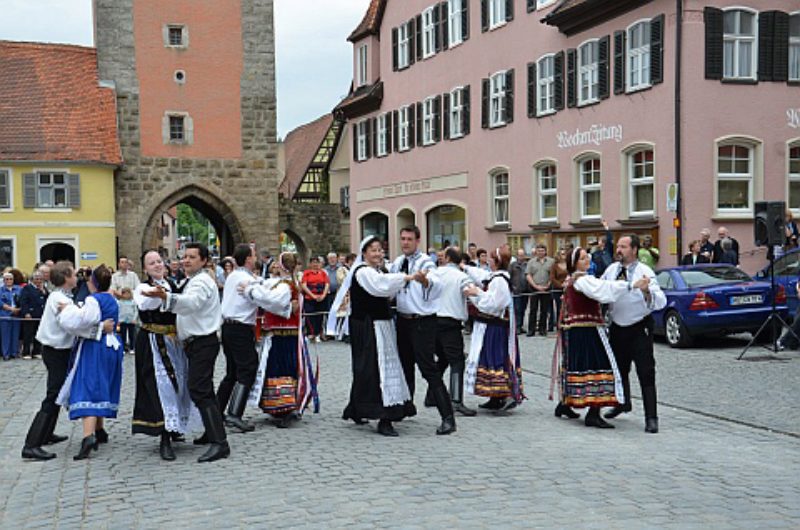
{"points": [[315, 286]]}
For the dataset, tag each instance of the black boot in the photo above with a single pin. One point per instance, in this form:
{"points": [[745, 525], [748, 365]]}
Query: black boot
{"points": [[87, 444], [52, 438], [625, 407], [650, 409], [457, 393], [165, 448], [101, 435], [445, 407], [430, 401], [563, 410], [236, 408], [37, 433], [385, 428], [202, 440], [215, 431], [493, 404], [593, 419]]}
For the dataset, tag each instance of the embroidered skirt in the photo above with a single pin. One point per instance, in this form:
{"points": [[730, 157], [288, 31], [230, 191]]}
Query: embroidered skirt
{"points": [[588, 378], [493, 376]]}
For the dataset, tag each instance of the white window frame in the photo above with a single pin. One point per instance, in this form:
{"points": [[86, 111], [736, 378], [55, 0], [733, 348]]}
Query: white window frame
{"points": [[634, 183], [456, 112], [792, 177], [382, 148], [541, 4], [735, 177], [497, 99], [361, 141], [403, 129], [589, 188], [361, 66], [184, 36], [428, 33], [794, 47], [737, 40], [545, 86], [9, 175], [403, 46], [545, 193], [428, 116], [638, 60], [589, 74], [52, 186], [498, 199], [455, 31], [497, 13]]}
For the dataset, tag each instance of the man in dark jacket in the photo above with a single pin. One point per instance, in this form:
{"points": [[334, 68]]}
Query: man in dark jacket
{"points": [[603, 256], [31, 302], [519, 285]]}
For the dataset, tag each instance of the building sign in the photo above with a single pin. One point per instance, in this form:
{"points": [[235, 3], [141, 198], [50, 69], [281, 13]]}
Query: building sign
{"points": [[413, 187], [88, 256], [595, 135], [793, 118], [672, 197]]}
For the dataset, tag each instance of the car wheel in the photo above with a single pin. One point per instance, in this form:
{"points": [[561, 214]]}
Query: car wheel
{"points": [[675, 332]]}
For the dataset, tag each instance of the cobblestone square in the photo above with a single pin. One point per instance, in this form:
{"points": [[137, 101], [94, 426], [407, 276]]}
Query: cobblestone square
{"points": [[727, 456]]}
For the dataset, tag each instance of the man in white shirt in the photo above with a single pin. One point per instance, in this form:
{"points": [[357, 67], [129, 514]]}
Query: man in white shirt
{"points": [[238, 340], [198, 317], [56, 349], [631, 333], [450, 317], [416, 325], [123, 278]]}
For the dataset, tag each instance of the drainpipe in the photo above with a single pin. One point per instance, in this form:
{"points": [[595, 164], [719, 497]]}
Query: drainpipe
{"points": [[678, 147]]}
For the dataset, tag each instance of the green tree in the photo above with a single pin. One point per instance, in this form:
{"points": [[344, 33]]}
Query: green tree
{"points": [[192, 224]]}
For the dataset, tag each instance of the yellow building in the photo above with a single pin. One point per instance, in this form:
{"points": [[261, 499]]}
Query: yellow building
{"points": [[58, 153]]}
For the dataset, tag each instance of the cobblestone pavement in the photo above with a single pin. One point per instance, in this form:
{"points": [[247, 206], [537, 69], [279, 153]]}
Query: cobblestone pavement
{"points": [[728, 456]]}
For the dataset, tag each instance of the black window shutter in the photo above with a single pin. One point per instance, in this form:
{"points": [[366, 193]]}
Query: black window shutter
{"points": [[465, 114], [657, 50], [619, 61], [485, 103], [509, 117], [418, 34], [437, 119], [29, 190], [509, 10], [571, 80], [395, 128], [713, 18], [394, 49], [766, 22], [420, 127], [558, 80], [389, 135], [412, 41], [74, 186], [368, 134], [602, 66], [444, 26], [531, 6], [412, 125], [355, 142], [484, 15], [464, 19], [446, 117], [780, 47], [374, 138], [437, 29], [531, 90]]}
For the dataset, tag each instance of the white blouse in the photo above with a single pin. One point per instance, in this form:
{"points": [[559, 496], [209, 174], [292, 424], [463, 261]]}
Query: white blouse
{"points": [[604, 291], [497, 296], [376, 283], [273, 295], [146, 303]]}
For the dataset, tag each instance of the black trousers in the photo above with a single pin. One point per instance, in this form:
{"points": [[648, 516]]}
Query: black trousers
{"points": [[202, 354], [30, 346], [449, 345], [57, 364], [540, 303], [416, 342], [635, 344], [241, 359]]}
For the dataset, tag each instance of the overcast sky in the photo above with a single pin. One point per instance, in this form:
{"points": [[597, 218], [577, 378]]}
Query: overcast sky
{"points": [[314, 59]]}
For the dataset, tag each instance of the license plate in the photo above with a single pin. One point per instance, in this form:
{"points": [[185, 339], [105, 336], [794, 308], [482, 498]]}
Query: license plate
{"points": [[747, 299]]}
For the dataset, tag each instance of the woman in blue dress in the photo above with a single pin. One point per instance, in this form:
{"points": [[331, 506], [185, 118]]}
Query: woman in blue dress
{"points": [[9, 310], [91, 391]]}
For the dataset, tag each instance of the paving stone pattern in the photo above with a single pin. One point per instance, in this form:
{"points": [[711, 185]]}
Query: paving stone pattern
{"points": [[526, 470]]}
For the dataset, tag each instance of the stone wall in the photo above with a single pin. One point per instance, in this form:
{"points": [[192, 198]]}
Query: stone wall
{"points": [[315, 228], [242, 191]]}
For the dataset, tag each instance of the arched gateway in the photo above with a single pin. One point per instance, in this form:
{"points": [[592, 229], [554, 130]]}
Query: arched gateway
{"points": [[191, 131]]}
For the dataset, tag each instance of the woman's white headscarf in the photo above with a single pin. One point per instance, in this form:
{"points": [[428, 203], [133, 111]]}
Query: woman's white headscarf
{"points": [[343, 289]]}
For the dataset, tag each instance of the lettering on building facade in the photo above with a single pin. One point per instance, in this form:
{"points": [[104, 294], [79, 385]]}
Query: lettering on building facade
{"points": [[595, 135]]}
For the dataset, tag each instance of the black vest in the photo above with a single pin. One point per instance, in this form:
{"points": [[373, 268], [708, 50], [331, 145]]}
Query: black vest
{"points": [[156, 316], [362, 303]]}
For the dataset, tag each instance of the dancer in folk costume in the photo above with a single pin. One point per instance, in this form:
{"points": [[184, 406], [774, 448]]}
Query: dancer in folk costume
{"points": [[286, 382], [493, 366], [379, 390], [92, 388], [587, 372], [162, 406]]}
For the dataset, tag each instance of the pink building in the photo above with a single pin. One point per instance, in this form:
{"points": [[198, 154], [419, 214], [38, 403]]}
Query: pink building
{"points": [[522, 121]]}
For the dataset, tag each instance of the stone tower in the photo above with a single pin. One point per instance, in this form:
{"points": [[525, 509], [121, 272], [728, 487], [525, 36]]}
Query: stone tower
{"points": [[195, 85]]}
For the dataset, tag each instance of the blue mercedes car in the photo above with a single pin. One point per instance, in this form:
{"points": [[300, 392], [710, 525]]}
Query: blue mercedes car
{"points": [[713, 300], [787, 270]]}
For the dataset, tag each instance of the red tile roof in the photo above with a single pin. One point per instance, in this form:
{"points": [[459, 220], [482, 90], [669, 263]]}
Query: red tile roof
{"points": [[371, 23], [52, 107], [300, 148]]}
